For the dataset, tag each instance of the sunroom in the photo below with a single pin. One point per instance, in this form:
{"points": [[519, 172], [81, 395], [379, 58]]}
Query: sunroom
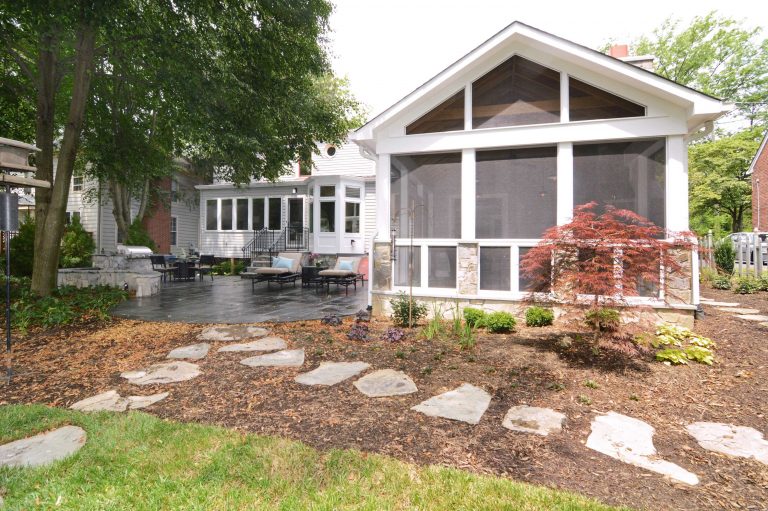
{"points": [[473, 166]]}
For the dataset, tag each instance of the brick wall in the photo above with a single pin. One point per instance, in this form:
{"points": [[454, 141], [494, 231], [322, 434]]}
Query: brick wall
{"points": [[157, 222], [760, 171]]}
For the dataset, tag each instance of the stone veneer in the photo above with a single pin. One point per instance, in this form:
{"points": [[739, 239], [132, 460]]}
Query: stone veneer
{"points": [[382, 267], [115, 271], [467, 257]]}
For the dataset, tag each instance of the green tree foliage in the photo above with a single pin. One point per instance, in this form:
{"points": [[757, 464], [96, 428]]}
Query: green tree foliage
{"points": [[22, 250], [715, 55], [138, 235], [77, 246], [718, 179]]}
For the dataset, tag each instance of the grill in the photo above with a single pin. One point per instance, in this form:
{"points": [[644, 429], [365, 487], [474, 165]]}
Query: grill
{"points": [[133, 250]]}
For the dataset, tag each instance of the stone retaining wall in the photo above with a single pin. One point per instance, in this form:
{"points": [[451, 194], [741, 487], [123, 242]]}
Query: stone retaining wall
{"points": [[114, 271]]}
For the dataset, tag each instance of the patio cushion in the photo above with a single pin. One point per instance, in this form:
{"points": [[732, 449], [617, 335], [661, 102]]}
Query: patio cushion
{"points": [[273, 271], [335, 273], [294, 257], [282, 262], [345, 266], [354, 262]]}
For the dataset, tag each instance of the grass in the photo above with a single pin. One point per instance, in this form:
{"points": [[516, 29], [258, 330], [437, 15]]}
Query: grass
{"points": [[137, 461]]}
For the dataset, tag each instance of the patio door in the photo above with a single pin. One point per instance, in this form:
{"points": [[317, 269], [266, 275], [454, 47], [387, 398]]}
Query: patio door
{"points": [[296, 219]]}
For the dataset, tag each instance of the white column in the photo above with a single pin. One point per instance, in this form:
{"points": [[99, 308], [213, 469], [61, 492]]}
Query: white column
{"points": [[382, 197], [468, 194], [468, 106], [676, 195], [565, 100], [564, 182]]}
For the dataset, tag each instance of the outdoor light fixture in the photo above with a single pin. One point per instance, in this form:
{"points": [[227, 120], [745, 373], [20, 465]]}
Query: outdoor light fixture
{"points": [[295, 190]]}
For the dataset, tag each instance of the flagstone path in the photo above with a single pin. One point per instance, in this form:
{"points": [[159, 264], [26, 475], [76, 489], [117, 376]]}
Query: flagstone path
{"points": [[753, 317], [466, 403], [532, 419], [166, 372], [285, 358], [264, 344], [113, 402], [192, 352], [386, 383], [738, 310], [738, 441], [331, 373], [232, 333], [42, 449]]}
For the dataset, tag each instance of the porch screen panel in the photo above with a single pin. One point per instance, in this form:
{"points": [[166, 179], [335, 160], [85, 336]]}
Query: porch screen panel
{"points": [[211, 215], [257, 213], [442, 267], [432, 183], [516, 192], [275, 213], [588, 102], [516, 93], [447, 116], [495, 268], [242, 214], [401, 266], [627, 175], [226, 214], [527, 283]]}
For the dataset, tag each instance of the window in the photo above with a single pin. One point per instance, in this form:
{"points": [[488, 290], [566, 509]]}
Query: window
{"points": [[211, 215], [447, 116], [328, 191], [173, 230], [174, 190], [257, 214], [352, 192], [442, 267], [71, 216], [588, 102], [432, 183], [226, 214], [495, 268], [517, 92], [352, 217], [527, 283], [328, 216], [242, 214], [627, 175], [330, 151], [275, 213], [77, 183], [516, 192], [401, 266]]}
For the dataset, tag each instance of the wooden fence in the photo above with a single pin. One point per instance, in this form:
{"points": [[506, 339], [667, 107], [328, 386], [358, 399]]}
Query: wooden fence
{"points": [[751, 255]]}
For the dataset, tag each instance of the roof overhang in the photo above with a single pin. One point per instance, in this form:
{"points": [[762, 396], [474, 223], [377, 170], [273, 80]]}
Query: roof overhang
{"points": [[757, 154]]}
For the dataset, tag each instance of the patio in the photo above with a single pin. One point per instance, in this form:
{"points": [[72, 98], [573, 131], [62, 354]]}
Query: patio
{"points": [[230, 300]]}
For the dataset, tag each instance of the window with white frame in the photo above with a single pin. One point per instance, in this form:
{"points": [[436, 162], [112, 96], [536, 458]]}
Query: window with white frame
{"points": [[226, 214], [405, 276], [174, 190], [257, 214], [241, 211], [212, 215], [327, 208], [442, 267], [77, 183], [352, 210], [495, 268], [174, 230], [275, 213]]}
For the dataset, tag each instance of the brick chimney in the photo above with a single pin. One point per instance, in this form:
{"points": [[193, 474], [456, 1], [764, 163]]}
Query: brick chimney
{"points": [[618, 51]]}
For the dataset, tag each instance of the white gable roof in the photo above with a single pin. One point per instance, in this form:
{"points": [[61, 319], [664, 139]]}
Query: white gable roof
{"points": [[757, 154], [700, 107]]}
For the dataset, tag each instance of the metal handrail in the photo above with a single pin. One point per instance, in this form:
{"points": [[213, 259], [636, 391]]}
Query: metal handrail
{"points": [[266, 242]]}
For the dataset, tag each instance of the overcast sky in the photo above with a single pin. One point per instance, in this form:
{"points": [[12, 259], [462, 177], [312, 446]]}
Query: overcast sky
{"points": [[387, 48]]}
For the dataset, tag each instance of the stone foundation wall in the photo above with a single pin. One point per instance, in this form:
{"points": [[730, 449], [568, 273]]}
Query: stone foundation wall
{"points": [[468, 277], [679, 288], [382, 267], [114, 271]]}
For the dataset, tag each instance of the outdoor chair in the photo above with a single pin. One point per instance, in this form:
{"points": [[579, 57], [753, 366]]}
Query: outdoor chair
{"points": [[286, 267], [344, 273], [160, 266], [205, 266]]}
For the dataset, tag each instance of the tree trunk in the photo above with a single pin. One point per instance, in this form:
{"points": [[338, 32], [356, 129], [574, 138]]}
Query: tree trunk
{"points": [[51, 226], [121, 208]]}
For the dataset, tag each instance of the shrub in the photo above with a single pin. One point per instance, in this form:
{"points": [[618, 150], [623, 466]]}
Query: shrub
{"points": [[746, 285], [394, 335], [763, 283], [539, 316], [137, 235], [331, 319], [400, 310], [725, 256], [362, 316], [681, 345], [358, 332], [22, 250], [603, 319], [722, 282], [226, 268], [474, 317], [707, 275], [500, 322], [77, 246]]}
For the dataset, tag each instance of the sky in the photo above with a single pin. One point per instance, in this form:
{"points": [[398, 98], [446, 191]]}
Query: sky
{"points": [[387, 48]]}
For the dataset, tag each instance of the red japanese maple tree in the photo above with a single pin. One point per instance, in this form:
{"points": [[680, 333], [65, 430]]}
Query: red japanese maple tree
{"points": [[604, 253]]}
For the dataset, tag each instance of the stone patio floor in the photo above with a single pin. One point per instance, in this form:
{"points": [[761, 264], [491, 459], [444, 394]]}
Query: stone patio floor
{"points": [[230, 300]]}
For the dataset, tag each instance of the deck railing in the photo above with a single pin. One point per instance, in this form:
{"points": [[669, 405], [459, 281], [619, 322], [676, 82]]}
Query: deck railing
{"points": [[266, 242], [751, 254]]}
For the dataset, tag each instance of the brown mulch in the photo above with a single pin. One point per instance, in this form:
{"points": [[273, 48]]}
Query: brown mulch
{"points": [[528, 367]]}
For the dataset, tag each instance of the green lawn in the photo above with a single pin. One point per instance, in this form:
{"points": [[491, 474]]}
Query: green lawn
{"points": [[136, 461]]}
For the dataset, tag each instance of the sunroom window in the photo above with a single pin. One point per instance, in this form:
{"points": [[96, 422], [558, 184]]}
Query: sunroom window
{"points": [[211, 215], [495, 268], [442, 267], [226, 214], [401, 266]]}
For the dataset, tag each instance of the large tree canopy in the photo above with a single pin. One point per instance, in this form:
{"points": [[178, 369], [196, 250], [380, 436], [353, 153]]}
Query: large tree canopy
{"points": [[241, 87], [715, 55]]}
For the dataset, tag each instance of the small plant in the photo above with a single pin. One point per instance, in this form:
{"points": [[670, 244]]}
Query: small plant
{"points": [[746, 285], [539, 316], [467, 339], [592, 384], [358, 332], [407, 312], [77, 246], [472, 358], [500, 322], [426, 370], [674, 356], [556, 386], [634, 397], [474, 317], [763, 283], [707, 275], [435, 326], [725, 256], [400, 354], [722, 282], [394, 334], [363, 316], [603, 319], [585, 400], [331, 319]]}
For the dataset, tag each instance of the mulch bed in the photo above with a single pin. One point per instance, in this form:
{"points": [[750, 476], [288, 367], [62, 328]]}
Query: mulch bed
{"points": [[527, 367]]}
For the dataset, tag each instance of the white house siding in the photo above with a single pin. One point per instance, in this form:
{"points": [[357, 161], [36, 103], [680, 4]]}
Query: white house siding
{"points": [[347, 161], [370, 213], [186, 210]]}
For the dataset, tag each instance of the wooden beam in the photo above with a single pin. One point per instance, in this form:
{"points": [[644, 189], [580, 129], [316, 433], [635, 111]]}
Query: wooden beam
{"points": [[23, 182]]}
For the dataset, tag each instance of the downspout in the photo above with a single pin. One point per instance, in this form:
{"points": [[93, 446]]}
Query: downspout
{"points": [[370, 156], [98, 220]]}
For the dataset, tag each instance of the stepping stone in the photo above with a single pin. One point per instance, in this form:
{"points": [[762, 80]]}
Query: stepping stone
{"points": [[265, 344], [331, 373], [721, 304], [753, 317], [738, 310], [631, 440], [285, 358], [42, 449], [112, 401], [765, 325], [192, 352], [466, 403], [532, 419], [703, 299], [384, 383], [165, 372], [739, 441], [232, 333]]}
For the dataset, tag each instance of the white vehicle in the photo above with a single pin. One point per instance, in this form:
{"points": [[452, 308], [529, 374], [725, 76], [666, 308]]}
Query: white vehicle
{"points": [[741, 239]]}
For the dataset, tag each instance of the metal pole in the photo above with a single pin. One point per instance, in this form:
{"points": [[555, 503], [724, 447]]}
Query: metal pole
{"points": [[7, 235]]}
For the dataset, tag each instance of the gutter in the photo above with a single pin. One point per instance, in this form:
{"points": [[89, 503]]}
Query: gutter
{"points": [[370, 272]]}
